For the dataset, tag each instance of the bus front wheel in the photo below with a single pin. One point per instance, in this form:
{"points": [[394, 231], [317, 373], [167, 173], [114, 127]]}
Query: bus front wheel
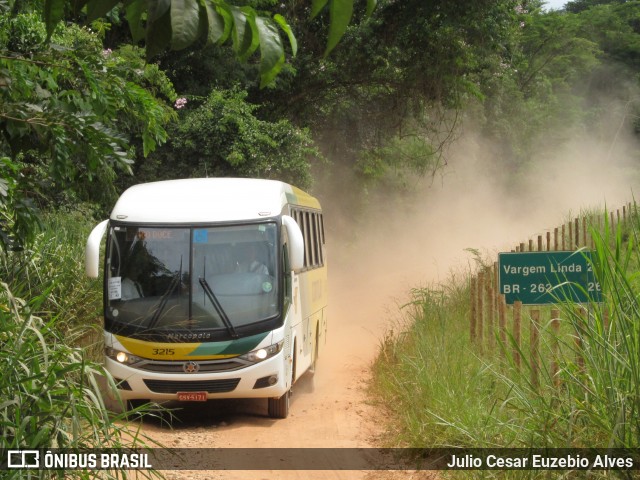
{"points": [[279, 407]]}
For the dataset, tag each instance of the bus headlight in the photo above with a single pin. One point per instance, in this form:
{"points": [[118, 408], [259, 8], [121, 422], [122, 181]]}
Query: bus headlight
{"points": [[121, 357], [261, 354]]}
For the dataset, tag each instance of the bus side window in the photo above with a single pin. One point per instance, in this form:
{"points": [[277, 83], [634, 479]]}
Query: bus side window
{"points": [[307, 242]]}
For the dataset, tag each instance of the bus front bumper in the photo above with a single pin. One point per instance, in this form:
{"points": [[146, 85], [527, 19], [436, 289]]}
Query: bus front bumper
{"points": [[262, 380]]}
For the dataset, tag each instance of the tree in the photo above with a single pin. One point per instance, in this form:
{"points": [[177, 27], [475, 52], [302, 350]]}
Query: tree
{"points": [[615, 27], [537, 90], [221, 136], [69, 111], [72, 112], [178, 24], [577, 6], [389, 98]]}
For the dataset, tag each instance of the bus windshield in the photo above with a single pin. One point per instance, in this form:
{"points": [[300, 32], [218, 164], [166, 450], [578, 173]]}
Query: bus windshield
{"points": [[161, 279]]}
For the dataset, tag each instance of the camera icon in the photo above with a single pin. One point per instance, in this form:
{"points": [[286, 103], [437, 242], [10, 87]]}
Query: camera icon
{"points": [[23, 459]]}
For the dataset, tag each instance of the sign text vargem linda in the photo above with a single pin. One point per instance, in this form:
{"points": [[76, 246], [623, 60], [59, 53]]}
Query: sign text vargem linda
{"points": [[537, 278]]}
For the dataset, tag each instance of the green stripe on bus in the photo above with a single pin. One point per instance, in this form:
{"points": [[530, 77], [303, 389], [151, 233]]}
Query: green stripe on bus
{"points": [[233, 347]]}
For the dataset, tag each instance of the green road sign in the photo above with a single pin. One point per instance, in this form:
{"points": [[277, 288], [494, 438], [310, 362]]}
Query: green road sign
{"points": [[537, 278]]}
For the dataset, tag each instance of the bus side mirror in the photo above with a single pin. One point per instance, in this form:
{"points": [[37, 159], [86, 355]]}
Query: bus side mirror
{"points": [[296, 243], [92, 250]]}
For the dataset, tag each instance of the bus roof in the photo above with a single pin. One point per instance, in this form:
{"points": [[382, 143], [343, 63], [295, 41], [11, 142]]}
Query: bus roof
{"points": [[207, 200]]}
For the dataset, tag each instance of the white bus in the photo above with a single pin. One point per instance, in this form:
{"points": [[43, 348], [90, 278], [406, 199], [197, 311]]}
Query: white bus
{"points": [[213, 288]]}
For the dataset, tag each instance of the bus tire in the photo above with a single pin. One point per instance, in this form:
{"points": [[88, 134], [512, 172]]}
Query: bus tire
{"points": [[279, 407]]}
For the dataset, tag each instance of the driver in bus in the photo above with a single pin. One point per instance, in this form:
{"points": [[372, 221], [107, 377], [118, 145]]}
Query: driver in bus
{"points": [[249, 261]]}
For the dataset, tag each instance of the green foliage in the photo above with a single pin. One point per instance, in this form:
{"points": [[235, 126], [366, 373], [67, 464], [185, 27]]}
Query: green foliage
{"points": [[50, 392], [178, 24], [404, 157], [610, 336], [52, 382], [616, 29], [222, 137], [436, 398], [577, 6], [563, 74], [56, 252], [537, 91], [552, 51], [68, 114], [398, 74], [18, 214]]}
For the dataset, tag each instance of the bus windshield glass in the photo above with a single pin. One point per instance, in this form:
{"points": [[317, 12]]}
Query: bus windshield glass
{"points": [[195, 279]]}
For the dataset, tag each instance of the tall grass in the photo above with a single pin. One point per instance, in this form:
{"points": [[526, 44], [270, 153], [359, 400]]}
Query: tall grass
{"points": [[609, 383], [49, 391], [439, 389], [443, 390]]}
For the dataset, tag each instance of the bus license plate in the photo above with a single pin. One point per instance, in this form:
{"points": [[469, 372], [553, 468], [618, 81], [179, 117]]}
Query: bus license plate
{"points": [[192, 396]]}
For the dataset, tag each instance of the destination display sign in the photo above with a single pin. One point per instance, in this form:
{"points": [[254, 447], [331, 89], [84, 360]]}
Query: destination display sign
{"points": [[537, 278]]}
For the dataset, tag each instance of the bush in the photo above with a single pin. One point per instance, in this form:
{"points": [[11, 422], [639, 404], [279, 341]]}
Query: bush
{"points": [[222, 136], [54, 262], [49, 390], [50, 387]]}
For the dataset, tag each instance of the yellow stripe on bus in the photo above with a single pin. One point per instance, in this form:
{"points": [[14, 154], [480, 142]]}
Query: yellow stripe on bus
{"points": [[166, 351], [304, 199]]}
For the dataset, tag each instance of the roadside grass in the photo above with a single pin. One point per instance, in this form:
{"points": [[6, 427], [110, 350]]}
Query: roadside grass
{"points": [[442, 390], [54, 263], [50, 357]]}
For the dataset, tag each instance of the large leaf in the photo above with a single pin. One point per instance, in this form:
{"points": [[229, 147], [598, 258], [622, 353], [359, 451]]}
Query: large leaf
{"points": [[53, 13], [271, 50], [371, 6], [242, 33], [156, 9], [280, 20], [158, 35], [185, 23], [217, 31], [99, 8], [317, 6], [134, 13], [255, 37], [340, 12]]}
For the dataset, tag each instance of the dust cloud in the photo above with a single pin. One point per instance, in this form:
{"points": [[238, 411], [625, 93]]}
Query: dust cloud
{"points": [[393, 241]]}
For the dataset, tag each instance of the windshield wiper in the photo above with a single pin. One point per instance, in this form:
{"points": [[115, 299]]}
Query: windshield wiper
{"points": [[219, 310], [165, 297]]}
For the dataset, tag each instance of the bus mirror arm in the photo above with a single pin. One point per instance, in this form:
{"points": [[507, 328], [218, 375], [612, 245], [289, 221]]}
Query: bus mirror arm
{"points": [[92, 250], [295, 244]]}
